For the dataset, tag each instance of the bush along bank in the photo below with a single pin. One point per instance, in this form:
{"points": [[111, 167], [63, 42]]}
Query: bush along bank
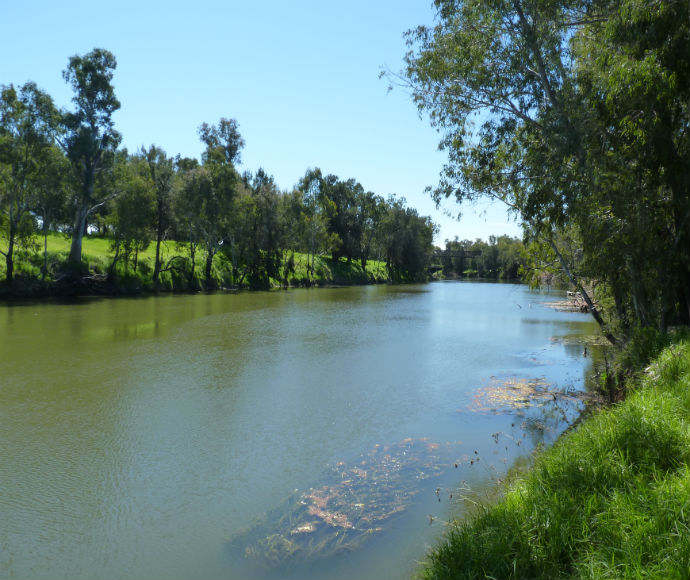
{"points": [[45, 276], [611, 499]]}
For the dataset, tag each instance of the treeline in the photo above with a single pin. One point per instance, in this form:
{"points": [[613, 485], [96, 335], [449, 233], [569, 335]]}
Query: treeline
{"points": [[501, 258], [64, 171], [575, 114]]}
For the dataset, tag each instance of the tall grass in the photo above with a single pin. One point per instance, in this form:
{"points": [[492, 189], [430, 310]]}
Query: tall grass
{"points": [[609, 500]]}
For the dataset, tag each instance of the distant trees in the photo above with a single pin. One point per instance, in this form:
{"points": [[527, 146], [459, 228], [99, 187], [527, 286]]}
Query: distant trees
{"points": [[132, 211], [161, 173], [501, 258], [351, 223], [259, 230], [223, 145], [406, 240], [28, 126], [311, 214], [65, 170]]}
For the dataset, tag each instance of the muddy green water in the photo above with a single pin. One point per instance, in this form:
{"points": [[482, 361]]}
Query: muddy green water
{"points": [[138, 436]]}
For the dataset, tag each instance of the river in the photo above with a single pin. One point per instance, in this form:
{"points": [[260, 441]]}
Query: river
{"points": [[142, 438]]}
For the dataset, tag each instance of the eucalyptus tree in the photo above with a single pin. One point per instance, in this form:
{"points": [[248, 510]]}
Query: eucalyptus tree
{"points": [[290, 208], [317, 211], [239, 240], [28, 126], [91, 139], [263, 242], [50, 196], [633, 73], [223, 141], [203, 208], [371, 211], [162, 175], [195, 194], [496, 79], [343, 220], [407, 240], [134, 211], [223, 145]]}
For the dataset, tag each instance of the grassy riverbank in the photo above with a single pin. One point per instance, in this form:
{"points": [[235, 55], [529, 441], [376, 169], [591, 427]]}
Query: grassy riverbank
{"points": [[136, 277], [610, 500]]}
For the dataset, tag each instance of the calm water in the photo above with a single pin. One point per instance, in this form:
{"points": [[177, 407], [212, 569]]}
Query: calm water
{"points": [[138, 435]]}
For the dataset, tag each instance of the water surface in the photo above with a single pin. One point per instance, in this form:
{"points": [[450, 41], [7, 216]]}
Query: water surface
{"points": [[138, 435]]}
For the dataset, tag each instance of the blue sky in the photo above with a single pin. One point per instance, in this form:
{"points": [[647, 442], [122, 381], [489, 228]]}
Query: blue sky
{"points": [[300, 78]]}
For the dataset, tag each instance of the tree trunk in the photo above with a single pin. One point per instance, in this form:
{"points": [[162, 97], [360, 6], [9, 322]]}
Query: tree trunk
{"points": [[80, 216], [157, 267], [159, 239], [45, 252], [9, 256], [313, 253], [9, 260], [192, 255], [593, 310], [116, 257], [209, 265], [638, 294], [77, 236]]}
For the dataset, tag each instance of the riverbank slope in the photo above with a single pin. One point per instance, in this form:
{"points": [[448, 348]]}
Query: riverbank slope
{"points": [[46, 274], [610, 500]]}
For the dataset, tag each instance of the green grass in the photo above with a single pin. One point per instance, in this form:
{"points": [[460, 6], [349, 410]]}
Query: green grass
{"points": [[328, 271], [609, 500], [97, 256]]}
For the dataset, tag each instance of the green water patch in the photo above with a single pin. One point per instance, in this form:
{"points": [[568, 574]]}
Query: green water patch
{"points": [[353, 501]]}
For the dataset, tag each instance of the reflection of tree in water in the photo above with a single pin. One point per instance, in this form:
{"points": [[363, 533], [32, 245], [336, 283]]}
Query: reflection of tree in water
{"points": [[353, 502]]}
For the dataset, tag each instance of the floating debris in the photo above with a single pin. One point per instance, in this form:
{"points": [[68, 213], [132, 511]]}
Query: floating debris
{"points": [[580, 340], [506, 395], [570, 305], [353, 502]]}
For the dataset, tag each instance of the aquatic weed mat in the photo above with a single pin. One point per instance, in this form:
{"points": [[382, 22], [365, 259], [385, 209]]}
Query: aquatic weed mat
{"points": [[505, 395], [352, 502]]}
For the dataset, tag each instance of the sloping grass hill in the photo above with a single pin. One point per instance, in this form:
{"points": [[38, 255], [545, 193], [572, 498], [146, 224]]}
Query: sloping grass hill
{"points": [[34, 276]]}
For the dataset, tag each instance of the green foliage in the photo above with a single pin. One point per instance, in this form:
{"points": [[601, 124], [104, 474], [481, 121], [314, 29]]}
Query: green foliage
{"points": [[575, 115], [609, 500], [90, 140], [341, 218], [133, 213], [501, 258], [645, 345], [28, 125], [223, 142], [406, 241], [64, 172], [124, 278]]}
